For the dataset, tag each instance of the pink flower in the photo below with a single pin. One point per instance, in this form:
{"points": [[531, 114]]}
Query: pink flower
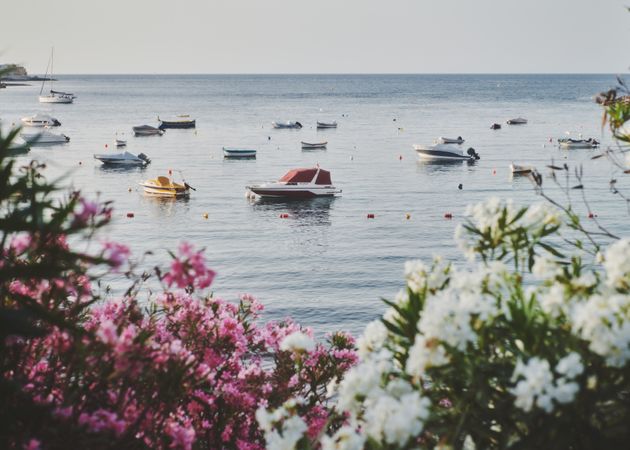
{"points": [[188, 269], [183, 436], [87, 212], [33, 444], [20, 243], [117, 254]]}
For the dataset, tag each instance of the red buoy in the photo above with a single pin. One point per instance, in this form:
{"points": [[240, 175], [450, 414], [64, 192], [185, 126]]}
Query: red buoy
{"points": [[371, 216], [130, 215], [448, 215], [284, 216], [591, 215]]}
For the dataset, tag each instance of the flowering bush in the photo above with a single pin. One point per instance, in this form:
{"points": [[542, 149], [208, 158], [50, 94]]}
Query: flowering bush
{"points": [[528, 349], [184, 370]]}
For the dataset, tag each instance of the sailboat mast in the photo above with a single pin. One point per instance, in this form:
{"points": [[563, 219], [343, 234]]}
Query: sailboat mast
{"points": [[45, 76], [52, 61]]}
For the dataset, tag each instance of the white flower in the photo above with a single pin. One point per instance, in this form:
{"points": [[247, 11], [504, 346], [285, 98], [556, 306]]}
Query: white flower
{"points": [[297, 342], [552, 301], [536, 385], [419, 275], [545, 268], [617, 264], [396, 420], [423, 355], [586, 280], [364, 380], [292, 431], [373, 338], [570, 366], [346, 438]]}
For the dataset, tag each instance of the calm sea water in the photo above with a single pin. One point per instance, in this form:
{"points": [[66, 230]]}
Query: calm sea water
{"points": [[327, 265]]}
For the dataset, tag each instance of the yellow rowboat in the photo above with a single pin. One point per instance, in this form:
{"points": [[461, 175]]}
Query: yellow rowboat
{"points": [[164, 187]]}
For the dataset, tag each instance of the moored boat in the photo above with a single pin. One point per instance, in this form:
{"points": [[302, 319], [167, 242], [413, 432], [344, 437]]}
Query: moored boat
{"points": [[578, 143], [321, 125], [165, 187], [517, 121], [518, 169], [121, 143], [147, 130], [313, 145], [298, 184], [232, 152], [288, 124], [445, 140], [181, 121], [445, 152], [40, 120], [53, 96], [123, 159], [495, 126], [44, 137]]}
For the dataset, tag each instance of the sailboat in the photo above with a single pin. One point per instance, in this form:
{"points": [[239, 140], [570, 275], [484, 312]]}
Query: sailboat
{"points": [[53, 96]]}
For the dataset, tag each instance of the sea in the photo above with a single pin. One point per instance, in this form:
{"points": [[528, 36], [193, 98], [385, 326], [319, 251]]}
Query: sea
{"points": [[327, 265]]}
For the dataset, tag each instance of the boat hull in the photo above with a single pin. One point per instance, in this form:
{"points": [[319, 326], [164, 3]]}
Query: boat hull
{"points": [[142, 131], [321, 125], [292, 193], [238, 153], [312, 146], [577, 145], [165, 124], [55, 99]]}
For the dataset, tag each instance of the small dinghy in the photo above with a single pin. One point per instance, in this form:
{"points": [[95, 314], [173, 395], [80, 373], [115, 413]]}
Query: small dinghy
{"points": [[289, 124], [165, 187], [326, 124], [40, 120], [298, 184], [181, 121], [495, 126], [517, 121], [578, 143], [517, 169], [45, 137], [445, 152], [232, 152], [147, 130], [313, 145], [121, 143], [445, 140], [123, 159]]}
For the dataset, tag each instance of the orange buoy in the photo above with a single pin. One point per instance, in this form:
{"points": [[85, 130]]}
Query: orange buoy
{"points": [[448, 215], [205, 215], [129, 190], [371, 216], [407, 216], [130, 215]]}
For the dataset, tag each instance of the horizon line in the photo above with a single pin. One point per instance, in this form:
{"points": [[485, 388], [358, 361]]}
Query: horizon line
{"points": [[337, 73]]}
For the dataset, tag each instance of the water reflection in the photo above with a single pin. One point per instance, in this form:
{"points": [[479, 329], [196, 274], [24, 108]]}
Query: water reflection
{"points": [[440, 166], [109, 168], [307, 212], [160, 207]]}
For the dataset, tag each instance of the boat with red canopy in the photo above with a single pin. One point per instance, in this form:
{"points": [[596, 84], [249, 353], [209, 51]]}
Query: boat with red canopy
{"points": [[298, 183]]}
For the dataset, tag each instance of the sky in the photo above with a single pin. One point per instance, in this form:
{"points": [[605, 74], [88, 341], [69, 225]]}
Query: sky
{"points": [[317, 36]]}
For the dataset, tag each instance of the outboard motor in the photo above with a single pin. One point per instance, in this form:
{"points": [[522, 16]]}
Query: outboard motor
{"points": [[472, 153], [56, 123], [298, 124], [144, 157]]}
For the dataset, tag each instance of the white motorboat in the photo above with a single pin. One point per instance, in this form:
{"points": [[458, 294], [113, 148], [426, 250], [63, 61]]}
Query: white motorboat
{"points": [[578, 143], [121, 143], [298, 184], [326, 124], [517, 121], [313, 145], [40, 120], [44, 137], [232, 152], [445, 152], [53, 96], [147, 130], [123, 159], [288, 124], [445, 140], [518, 169]]}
